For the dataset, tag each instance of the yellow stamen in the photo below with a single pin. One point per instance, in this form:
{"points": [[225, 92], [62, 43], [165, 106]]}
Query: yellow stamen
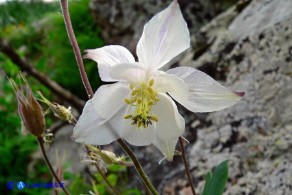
{"points": [[127, 116], [154, 118], [132, 86], [128, 101], [151, 82], [143, 96]]}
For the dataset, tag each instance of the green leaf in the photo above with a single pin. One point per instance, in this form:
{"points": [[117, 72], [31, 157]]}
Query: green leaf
{"points": [[131, 192], [113, 179], [216, 181]]}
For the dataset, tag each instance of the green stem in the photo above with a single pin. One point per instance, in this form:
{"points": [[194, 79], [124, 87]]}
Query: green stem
{"points": [[184, 157], [106, 180], [53, 173], [138, 166]]}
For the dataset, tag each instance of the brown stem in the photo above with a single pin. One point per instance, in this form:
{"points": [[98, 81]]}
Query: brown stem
{"points": [[42, 78], [69, 28], [181, 142], [138, 166], [41, 144]]}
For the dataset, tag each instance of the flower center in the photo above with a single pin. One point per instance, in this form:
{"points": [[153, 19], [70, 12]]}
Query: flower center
{"points": [[142, 97]]}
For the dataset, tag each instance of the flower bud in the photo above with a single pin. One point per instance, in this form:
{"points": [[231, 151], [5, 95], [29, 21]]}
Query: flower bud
{"points": [[59, 111], [29, 109], [106, 156]]}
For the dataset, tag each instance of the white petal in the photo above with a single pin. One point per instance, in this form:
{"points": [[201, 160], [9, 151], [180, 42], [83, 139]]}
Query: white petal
{"points": [[108, 99], [167, 147], [206, 94], [90, 129], [170, 83], [170, 123], [92, 126], [165, 36], [133, 73], [108, 56]]}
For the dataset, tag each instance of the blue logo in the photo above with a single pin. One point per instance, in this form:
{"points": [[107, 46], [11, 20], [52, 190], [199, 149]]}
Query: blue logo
{"points": [[10, 185], [20, 185]]}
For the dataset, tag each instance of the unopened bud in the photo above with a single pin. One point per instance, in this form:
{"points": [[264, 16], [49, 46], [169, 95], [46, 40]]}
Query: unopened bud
{"points": [[59, 111], [29, 109], [106, 156]]}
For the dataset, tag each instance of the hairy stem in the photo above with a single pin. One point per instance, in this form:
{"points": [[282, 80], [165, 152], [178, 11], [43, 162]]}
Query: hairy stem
{"points": [[72, 38], [138, 166], [106, 180], [184, 157], [41, 144]]}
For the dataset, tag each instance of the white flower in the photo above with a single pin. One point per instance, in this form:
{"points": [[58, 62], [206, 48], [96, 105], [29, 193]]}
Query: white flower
{"points": [[138, 107]]}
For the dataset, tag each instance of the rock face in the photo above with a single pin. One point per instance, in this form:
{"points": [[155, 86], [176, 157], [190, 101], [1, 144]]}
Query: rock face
{"points": [[248, 48], [256, 135], [122, 21]]}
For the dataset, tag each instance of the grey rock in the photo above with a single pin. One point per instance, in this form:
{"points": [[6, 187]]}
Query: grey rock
{"points": [[259, 142], [260, 15]]}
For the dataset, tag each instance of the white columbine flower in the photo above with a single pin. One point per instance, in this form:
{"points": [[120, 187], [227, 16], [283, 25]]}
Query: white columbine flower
{"points": [[139, 107]]}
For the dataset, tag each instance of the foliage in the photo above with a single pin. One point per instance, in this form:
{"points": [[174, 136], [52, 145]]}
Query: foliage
{"points": [[116, 175], [45, 43], [26, 12], [216, 181]]}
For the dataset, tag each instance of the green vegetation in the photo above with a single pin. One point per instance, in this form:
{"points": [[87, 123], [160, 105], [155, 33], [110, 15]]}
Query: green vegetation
{"points": [[37, 32], [216, 180], [45, 43]]}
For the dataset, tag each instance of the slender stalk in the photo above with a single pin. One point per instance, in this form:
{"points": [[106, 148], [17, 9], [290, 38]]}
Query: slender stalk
{"points": [[56, 191], [104, 178], [184, 157], [41, 144], [138, 166], [147, 191], [72, 38]]}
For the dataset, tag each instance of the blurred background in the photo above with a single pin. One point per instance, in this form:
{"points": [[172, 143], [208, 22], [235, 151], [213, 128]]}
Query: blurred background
{"points": [[246, 45]]}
